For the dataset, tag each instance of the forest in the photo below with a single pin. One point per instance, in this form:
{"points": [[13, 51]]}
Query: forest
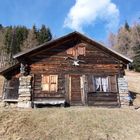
{"points": [[127, 42], [14, 39]]}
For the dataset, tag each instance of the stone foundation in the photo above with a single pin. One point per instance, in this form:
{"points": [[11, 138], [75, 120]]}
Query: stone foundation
{"points": [[123, 92], [24, 99], [8, 104]]}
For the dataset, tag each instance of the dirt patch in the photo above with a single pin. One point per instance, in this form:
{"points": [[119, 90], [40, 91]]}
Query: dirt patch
{"points": [[77, 123]]}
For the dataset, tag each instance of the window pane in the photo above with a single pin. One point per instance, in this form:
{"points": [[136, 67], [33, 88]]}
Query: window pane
{"points": [[45, 79], [81, 50], [45, 87], [53, 79], [53, 87]]}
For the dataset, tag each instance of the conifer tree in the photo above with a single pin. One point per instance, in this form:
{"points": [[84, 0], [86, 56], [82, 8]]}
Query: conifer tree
{"points": [[31, 40], [136, 46], [126, 26], [44, 34], [18, 38]]}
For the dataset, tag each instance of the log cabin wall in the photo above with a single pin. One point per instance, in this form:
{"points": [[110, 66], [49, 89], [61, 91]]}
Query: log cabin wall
{"points": [[54, 62], [11, 86]]}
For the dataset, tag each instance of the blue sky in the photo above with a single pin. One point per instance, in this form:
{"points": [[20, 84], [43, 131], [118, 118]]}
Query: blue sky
{"points": [[94, 18]]}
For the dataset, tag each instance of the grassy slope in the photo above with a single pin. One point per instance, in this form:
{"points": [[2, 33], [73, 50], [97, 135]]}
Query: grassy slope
{"points": [[70, 123], [133, 79]]}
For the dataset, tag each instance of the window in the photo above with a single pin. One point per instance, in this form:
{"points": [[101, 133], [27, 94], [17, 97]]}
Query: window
{"points": [[81, 50], [77, 50], [101, 84], [49, 83]]}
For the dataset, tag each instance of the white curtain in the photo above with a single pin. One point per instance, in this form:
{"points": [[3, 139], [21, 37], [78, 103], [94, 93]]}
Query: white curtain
{"points": [[98, 84], [101, 84], [105, 84]]}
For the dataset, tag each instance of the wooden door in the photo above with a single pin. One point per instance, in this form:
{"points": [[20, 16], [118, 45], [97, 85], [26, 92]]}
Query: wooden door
{"points": [[11, 89], [75, 90]]}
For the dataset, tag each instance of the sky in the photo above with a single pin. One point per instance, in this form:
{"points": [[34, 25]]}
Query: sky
{"points": [[94, 18]]}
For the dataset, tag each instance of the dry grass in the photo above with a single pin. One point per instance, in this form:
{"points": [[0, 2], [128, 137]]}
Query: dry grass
{"points": [[79, 123], [133, 79]]}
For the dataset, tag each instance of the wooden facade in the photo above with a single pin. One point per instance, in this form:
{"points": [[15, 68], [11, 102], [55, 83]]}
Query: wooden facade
{"points": [[75, 69]]}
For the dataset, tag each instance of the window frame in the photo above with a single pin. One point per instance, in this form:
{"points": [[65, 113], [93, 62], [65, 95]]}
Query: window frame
{"points": [[108, 84], [49, 83]]}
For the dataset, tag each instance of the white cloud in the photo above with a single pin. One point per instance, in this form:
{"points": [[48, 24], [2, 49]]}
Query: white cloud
{"points": [[87, 12]]}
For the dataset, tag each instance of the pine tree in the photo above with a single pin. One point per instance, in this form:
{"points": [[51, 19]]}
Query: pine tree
{"points": [[3, 54], [35, 30], [44, 34], [31, 40], [1, 27], [21, 35], [136, 46], [8, 39], [136, 62], [126, 26], [18, 38], [14, 38]]}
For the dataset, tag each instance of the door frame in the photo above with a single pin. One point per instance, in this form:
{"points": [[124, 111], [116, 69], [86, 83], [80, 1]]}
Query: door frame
{"points": [[82, 79]]}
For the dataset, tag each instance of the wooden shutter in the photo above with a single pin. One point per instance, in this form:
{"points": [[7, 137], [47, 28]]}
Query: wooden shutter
{"points": [[70, 51], [91, 83], [81, 50], [45, 83], [53, 83], [112, 83]]}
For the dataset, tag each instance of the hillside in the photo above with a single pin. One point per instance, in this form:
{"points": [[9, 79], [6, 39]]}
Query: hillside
{"points": [[76, 123], [133, 79]]}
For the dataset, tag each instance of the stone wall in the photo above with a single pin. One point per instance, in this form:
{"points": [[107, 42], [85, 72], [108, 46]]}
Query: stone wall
{"points": [[123, 91], [24, 99]]}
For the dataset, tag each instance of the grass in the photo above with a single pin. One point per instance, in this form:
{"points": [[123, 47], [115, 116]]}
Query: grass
{"points": [[133, 79], [76, 123]]}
